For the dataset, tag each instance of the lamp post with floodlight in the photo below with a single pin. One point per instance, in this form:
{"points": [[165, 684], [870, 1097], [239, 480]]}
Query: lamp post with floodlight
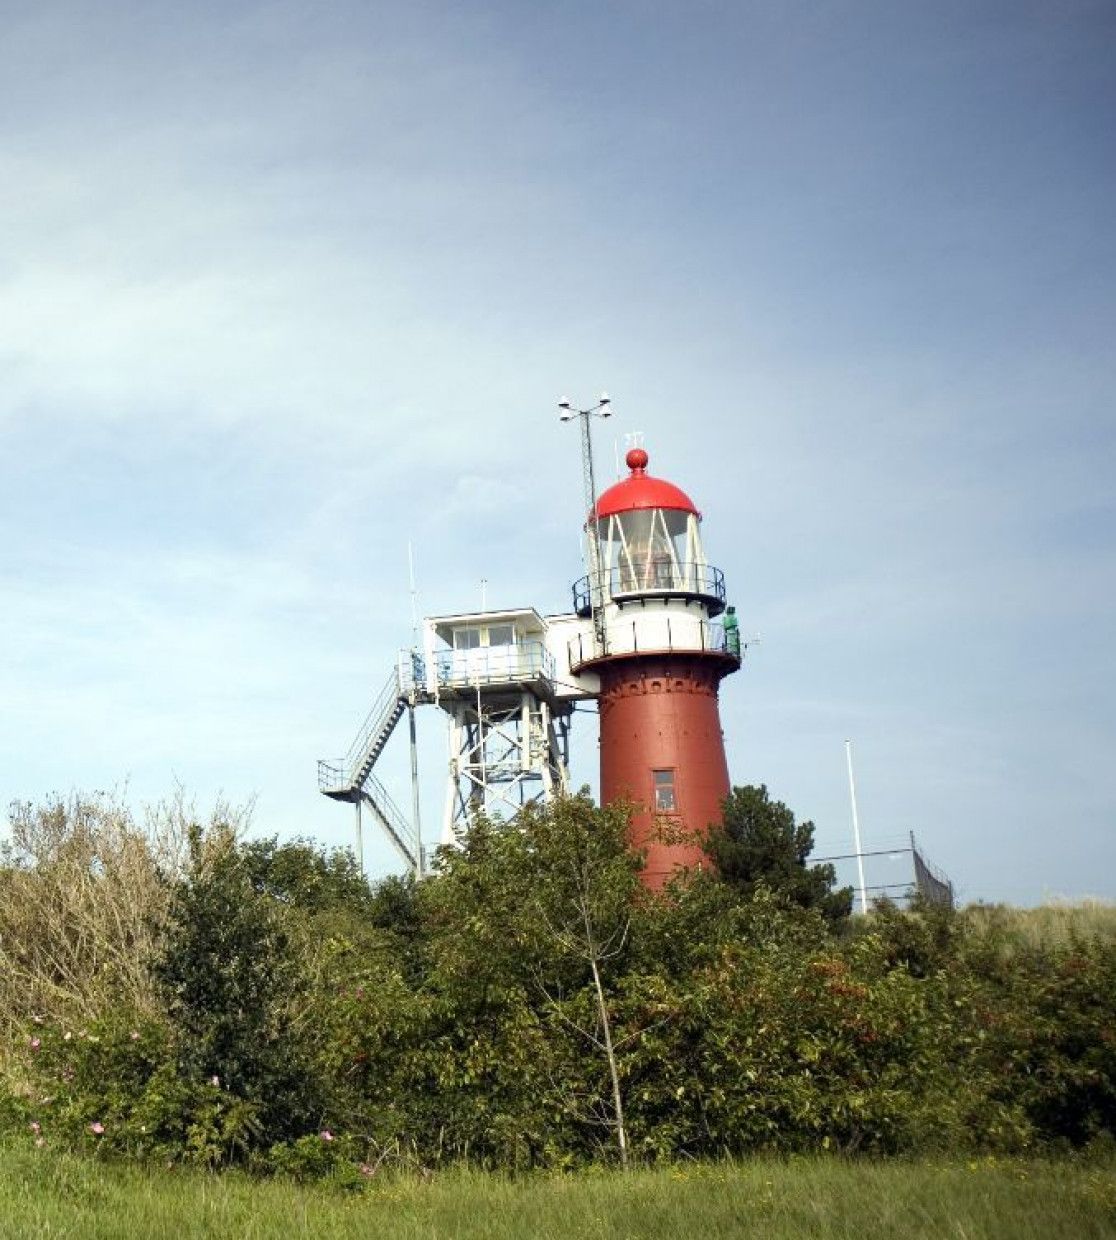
{"points": [[602, 409]]}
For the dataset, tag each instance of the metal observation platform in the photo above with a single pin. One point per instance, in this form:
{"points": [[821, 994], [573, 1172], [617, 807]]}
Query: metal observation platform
{"points": [[502, 679]]}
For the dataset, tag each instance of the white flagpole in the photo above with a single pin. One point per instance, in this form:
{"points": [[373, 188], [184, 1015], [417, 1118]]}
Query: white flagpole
{"points": [[856, 830]]}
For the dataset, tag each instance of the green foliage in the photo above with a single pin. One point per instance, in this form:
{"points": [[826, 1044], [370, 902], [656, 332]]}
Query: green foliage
{"points": [[302, 876], [232, 986], [922, 939], [469, 1044], [509, 1010], [1050, 1016], [319, 1156], [113, 1088], [759, 844]]}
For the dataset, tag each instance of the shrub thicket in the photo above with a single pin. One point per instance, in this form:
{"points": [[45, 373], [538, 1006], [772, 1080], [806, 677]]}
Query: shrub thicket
{"points": [[532, 1005], [759, 844]]}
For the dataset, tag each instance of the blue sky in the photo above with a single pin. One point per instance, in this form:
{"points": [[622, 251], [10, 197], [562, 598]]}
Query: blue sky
{"points": [[283, 286]]}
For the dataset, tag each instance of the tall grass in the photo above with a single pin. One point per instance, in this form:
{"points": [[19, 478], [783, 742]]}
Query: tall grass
{"points": [[1049, 925], [44, 1194]]}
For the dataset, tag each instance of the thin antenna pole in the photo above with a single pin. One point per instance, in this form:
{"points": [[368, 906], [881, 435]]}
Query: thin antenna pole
{"points": [[414, 594], [856, 830], [484, 594], [596, 569], [420, 860]]}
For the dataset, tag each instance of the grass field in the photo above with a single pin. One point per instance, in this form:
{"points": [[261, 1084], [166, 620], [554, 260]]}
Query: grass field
{"points": [[1050, 924], [49, 1195]]}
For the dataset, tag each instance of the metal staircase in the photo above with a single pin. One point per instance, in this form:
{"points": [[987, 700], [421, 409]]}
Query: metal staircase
{"points": [[350, 778], [397, 827]]}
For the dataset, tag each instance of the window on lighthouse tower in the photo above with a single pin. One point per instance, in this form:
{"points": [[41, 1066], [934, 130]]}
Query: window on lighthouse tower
{"points": [[665, 800]]}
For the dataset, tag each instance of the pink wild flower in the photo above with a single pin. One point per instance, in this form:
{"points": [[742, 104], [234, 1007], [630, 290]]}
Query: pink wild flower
{"points": [[134, 1035], [36, 1043], [36, 1127], [326, 1135], [215, 1081], [97, 1128]]}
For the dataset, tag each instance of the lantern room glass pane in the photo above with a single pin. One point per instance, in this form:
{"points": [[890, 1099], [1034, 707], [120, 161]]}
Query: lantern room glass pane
{"points": [[645, 556], [677, 525], [650, 549]]}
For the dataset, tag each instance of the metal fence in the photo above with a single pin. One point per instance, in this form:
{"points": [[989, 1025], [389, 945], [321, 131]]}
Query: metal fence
{"points": [[932, 884], [922, 879]]}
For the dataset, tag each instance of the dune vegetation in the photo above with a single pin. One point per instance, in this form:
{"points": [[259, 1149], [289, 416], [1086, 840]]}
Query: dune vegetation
{"points": [[177, 998]]}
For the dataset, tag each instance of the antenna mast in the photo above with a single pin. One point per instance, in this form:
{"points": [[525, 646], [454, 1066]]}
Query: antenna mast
{"points": [[602, 409]]}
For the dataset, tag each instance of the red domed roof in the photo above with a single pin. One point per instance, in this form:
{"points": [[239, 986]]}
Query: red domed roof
{"points": [[640, 490]]}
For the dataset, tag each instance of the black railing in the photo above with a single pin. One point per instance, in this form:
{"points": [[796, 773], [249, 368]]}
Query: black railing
{"points": [[656, 579]]}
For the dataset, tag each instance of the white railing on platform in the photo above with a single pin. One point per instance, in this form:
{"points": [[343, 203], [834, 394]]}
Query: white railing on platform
{"points": [[525, 663], [657, 635]]}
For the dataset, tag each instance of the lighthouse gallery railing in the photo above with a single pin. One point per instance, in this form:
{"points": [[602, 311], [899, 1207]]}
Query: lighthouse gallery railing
{"points": [[658, 577], [701, 637]]}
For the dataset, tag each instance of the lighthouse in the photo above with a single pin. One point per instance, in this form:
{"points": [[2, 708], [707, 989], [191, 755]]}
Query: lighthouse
{"points": [[649, 639], [660, 650]]}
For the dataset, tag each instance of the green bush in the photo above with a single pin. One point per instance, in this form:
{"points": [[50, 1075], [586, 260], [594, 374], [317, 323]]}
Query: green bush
{"points": [[234, 993], [532, 1005], [113, 1088]]}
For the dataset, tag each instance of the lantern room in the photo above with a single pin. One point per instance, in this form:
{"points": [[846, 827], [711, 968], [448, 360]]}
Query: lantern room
{"points": [[649, 540]]}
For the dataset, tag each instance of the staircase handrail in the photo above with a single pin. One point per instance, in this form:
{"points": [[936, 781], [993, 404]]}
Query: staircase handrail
{"points": [[382, 708], [401, 686], [392, 817]]}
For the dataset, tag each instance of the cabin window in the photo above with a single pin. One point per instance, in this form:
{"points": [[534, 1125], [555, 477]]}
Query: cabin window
{"points": [[501, 635], [665, 801], [466, 639]]}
